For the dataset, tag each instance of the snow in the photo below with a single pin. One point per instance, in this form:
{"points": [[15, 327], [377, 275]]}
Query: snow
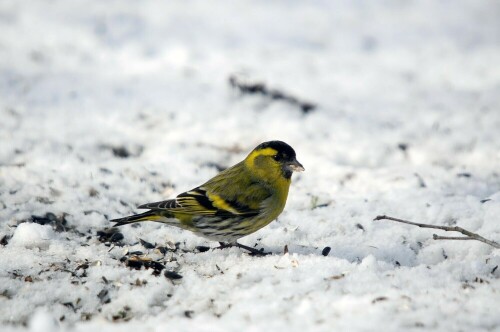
{"points": [[31, 235], [43, 321], [108, 105]]}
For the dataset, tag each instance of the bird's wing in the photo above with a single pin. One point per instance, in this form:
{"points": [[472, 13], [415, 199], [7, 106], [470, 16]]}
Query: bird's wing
{"points": [[200, 201]]}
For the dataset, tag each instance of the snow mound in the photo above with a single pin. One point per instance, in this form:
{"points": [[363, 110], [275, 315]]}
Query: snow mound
{"points": [[31, 235]]}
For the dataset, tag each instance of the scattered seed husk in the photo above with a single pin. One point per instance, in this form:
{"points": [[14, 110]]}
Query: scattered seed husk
{"points": [[358, 225], [110, 235], [5, 240], [93, 192], [83, 266], [336, 277], [379, 299], [202, 248], [162, 250], [147, 244], [103, 296], [172, 275]]}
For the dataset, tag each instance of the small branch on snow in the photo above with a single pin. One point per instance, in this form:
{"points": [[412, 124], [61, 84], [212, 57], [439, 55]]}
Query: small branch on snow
{"points": [[272, 94], [437, 237], [468, 234]]}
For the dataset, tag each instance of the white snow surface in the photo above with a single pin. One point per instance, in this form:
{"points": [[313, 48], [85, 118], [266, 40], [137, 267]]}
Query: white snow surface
{"points": [[407, 125]]}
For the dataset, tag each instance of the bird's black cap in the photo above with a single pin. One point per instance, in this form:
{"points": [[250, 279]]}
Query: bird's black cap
{"points": [[285, 155], [285, 151]]}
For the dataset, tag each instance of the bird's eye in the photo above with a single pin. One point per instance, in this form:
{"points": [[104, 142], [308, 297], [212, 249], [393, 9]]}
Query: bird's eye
{"points": [[277, 157]]}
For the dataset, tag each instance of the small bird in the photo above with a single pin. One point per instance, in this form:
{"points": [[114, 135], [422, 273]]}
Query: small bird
{"points": [[236, 202]]}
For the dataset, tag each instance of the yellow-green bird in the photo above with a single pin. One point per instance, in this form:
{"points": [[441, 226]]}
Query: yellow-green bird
{"points": [[236, 202]]}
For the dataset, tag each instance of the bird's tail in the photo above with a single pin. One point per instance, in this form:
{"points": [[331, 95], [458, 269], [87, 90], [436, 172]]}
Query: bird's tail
{"points": [[146, 216]]}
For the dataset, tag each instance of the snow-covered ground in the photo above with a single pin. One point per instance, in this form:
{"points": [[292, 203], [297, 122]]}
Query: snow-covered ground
{"points": [[105, 105]]}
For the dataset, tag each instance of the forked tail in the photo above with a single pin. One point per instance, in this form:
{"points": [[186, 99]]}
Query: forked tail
{"points": [[146, 216]]}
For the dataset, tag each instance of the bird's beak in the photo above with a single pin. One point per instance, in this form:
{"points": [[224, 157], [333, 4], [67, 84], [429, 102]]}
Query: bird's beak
{"points": [[295, 166]]}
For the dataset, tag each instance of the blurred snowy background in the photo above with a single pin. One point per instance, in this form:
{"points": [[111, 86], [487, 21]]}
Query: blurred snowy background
{"points": [[105, 105]]}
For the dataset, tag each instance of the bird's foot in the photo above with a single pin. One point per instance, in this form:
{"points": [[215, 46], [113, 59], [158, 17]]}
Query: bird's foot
{"points": [[253, 251]]}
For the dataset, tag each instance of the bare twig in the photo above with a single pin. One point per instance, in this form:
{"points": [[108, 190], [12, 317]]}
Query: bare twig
{"points": [[437, 237], [272, 94], [469, 235]]}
